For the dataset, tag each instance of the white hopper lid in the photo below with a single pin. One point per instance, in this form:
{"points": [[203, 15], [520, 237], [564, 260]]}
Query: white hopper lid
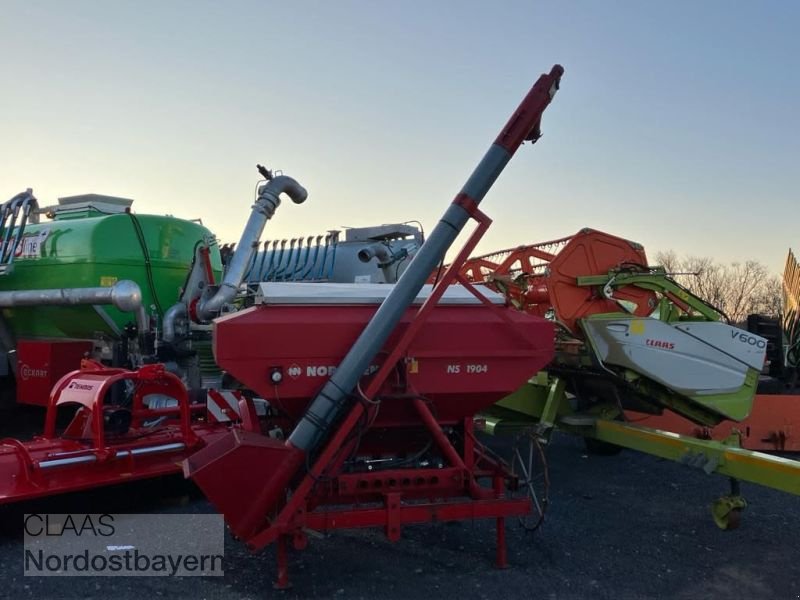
{"points": [[359, 293]]}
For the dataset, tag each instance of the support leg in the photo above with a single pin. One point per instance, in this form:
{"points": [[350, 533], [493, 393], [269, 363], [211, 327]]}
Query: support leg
{"points": [[727, 511], [502, 556], [282, 582], [547, 421], [501, 561]]}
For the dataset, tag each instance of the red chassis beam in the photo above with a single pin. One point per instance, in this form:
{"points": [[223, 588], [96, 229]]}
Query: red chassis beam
{"points": [[416, 513], [396, 487]]}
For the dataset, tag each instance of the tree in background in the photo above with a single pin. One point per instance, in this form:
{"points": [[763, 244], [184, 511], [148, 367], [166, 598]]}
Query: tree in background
{"points": [[737, 289]]}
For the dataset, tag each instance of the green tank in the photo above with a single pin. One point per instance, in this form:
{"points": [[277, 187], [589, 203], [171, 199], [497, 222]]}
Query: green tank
{"points": [[84, 246]]}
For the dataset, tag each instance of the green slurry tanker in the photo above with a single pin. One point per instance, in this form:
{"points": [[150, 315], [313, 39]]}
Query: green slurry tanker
{"points": [[88, 278], [91, 279]]}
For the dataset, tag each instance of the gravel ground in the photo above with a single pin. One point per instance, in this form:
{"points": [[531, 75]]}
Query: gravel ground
{"points": [[628, 526]]}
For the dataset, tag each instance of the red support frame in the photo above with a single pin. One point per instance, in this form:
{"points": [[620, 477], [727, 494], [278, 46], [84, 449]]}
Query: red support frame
{"points": [[98, 380], [313, 506], [86, 455]]}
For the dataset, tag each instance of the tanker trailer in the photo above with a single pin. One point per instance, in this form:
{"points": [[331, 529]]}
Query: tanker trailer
{"points": [[92, 279], [97, 280], [142, 423]]}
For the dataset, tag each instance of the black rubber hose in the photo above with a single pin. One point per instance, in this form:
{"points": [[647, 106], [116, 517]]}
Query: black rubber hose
{"points": [[148, 267]]}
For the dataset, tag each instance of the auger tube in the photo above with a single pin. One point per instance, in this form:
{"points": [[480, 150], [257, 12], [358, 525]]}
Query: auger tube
{"points": [[171, 316], [332, 400], [263, 209]]}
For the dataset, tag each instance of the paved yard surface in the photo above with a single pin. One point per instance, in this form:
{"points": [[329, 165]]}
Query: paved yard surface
{"points": [[629, 526]]}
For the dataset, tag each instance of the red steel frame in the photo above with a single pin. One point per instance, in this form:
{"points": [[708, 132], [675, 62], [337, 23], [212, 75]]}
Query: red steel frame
{"points": [[460, 476], [528, 257], [85, 455]]}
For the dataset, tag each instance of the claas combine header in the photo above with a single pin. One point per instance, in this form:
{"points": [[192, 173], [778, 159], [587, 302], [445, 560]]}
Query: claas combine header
{"points": [[631, 342], [773, 423]]}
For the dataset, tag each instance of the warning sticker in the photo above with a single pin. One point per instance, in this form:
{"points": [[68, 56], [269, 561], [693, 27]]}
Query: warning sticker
{"points": [[32, 244]]}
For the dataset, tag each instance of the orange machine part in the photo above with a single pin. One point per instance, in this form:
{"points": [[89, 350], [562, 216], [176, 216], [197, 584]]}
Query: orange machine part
{"points": [[591, 252], [773, 424], [551, 270]]}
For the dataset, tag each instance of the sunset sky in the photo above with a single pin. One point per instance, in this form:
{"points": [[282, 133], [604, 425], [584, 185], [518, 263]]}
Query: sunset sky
{"points": [[677, 124]]}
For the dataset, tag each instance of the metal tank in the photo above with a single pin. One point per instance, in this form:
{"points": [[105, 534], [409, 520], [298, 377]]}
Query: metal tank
{"points": [[377, 254], [92, 281], [95, 241]]}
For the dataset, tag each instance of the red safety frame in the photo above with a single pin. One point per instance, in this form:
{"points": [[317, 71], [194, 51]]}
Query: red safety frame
{"points": [[85, 456]]}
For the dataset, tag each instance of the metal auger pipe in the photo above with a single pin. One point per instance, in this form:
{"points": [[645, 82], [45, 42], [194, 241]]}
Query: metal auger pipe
{"points": [[333, 399], [124, 295], [264, 207]]}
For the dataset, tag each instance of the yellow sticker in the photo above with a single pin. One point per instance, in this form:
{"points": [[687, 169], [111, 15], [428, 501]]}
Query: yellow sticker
{"points": [[637, 327], [107, 281], [413, 365]]}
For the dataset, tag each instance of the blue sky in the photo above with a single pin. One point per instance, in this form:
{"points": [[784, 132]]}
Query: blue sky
{"points": [[677, 124]]}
